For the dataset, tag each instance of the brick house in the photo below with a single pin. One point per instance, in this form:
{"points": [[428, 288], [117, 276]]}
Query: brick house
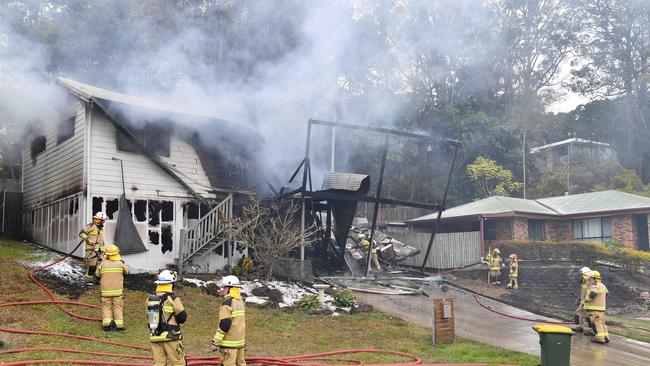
{"points": [[598, 216]]}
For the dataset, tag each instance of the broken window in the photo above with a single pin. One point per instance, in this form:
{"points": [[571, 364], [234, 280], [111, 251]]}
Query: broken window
{"points": [[37, 147], [65, 130], [204, 210], [154, 213], [141, 210], [191, 210], [73, 207], [124, 143], [166, 239], [167, 211], [97, 204], [154, 237], [156, 139], [111, 207]]}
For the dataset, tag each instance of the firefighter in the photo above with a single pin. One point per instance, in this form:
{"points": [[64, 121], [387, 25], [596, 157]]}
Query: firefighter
{"points": [[514, 271], [93, 235], [581, 317], [365, 245], [230, 338], [111, 273], [494, 263], [165, 314], [595, 304]]}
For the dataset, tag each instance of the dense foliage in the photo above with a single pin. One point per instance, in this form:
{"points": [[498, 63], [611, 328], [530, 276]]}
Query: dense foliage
{"points": [[485, 72]]}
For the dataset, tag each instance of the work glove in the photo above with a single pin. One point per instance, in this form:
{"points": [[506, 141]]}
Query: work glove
{"points": [[213, 346]]}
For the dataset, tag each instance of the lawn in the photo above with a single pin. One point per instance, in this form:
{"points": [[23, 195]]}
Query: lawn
{"points": [[270, 332]]}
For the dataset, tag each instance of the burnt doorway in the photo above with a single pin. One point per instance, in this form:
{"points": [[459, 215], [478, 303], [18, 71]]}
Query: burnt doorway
{"points": [[642, 229]]}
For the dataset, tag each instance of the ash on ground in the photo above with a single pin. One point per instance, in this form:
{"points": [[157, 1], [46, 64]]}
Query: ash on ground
{"points": [[284, 294]]}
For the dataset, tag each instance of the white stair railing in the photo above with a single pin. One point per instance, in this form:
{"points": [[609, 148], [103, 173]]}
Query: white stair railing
{"points": [[206, 230]]}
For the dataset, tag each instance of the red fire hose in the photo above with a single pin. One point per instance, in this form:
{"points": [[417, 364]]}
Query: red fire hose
{"points": [[478, 301], [192, 359]]}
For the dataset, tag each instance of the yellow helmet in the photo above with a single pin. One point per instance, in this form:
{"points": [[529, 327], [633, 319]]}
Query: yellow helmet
{"points": [[496, 251], [112, 250], [594, 274]]}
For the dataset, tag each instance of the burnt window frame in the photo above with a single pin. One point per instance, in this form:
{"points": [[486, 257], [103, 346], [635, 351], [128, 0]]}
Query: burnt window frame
{"points": [[66, 129], [155, 139], [39, 141]]}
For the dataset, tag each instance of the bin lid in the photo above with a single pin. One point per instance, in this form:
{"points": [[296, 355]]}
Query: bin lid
{"points": [[548, 328]]}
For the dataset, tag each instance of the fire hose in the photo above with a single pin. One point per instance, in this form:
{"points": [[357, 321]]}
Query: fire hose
{"points": [[191, 359], [478, 301]]}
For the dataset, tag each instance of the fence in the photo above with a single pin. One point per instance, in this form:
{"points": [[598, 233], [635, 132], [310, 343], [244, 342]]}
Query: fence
{"points": [[449, 250]]}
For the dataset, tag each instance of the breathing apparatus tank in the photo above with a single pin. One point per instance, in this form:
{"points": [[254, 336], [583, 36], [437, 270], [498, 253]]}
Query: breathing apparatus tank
{"points": [[153, 312]]}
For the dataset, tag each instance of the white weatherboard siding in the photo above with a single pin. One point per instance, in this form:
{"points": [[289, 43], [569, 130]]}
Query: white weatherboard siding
{"points": [[59, 169], [153, 259], [148, 179], [144, 180]]}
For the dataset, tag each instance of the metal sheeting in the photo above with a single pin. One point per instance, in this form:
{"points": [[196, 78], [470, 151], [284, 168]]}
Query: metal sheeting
{"points": [[358, 183], [450, 250]]}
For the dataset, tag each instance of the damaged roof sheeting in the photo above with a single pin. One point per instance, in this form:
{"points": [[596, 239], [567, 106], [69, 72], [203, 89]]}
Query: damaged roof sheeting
{"points": [[358, 183], [223, 147]]}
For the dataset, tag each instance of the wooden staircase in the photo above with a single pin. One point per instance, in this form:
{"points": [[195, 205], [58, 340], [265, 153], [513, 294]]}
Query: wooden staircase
{"points": [[206, 235]]}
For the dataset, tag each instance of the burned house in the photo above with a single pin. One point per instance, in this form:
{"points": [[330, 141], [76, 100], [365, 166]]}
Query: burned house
{"points": [[180, 175]]}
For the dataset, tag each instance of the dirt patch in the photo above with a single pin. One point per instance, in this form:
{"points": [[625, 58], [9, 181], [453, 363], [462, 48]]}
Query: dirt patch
{"points": [[60, 286]]}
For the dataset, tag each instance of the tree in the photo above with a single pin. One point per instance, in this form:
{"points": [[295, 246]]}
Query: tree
{"points": [[270, 233], [616, 54], [491, 178]]}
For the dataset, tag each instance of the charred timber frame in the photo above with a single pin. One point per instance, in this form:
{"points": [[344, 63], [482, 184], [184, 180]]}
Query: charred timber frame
{"points": [[309, 196]]}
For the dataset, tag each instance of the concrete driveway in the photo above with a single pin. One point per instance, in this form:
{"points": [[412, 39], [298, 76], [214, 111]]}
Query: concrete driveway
{"points": [[476, 323]]}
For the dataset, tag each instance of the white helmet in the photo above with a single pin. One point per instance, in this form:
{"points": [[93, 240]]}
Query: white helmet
{"points": [[100, 215], [585, 271], [230, 281], [362, 236], [166, 276]]}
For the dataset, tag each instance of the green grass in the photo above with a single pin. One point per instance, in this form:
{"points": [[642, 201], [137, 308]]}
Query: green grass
{"points": [[270, 332], [631, 328], [12, 250]]}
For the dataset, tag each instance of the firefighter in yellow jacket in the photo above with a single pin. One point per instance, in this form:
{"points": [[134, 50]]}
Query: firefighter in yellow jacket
{"points": [[230, 338], [93, 235], [514, 271], [365, 245], [494, 262], [165, 314], [596, 305], [581, 317], [111, 273]]}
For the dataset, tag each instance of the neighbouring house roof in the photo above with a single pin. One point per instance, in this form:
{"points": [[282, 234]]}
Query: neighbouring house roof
{"points": [[573, 205], [573, 140], [587, 203]]}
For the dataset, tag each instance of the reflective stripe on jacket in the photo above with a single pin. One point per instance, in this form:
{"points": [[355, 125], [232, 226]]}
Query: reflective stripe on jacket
{"points": [[232, 316], [514, 268], [598, 303], [94, 236], [171, 307], [111, 274]]}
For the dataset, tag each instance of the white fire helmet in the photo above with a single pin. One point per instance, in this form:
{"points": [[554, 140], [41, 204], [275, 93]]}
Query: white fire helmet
{"points": [[100, 215], [585, 271], [165, 277], [230, 281]]}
